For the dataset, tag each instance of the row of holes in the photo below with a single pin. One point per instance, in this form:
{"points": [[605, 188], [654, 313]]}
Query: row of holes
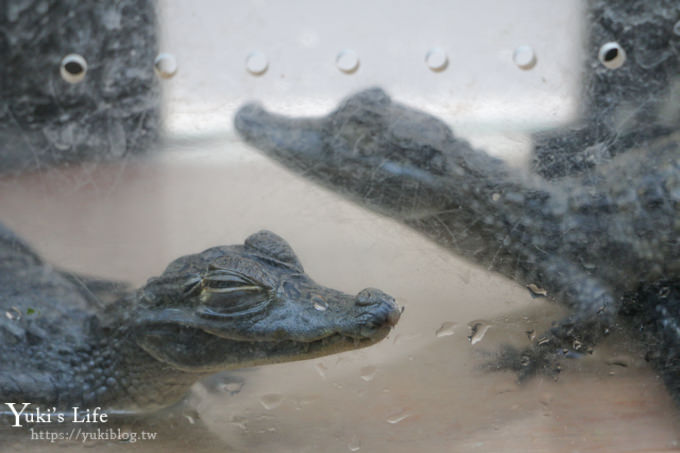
{"points": [[74, 67]]}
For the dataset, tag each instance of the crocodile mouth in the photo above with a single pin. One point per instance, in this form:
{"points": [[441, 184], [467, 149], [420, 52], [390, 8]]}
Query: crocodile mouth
{"points": [[289, 350]]}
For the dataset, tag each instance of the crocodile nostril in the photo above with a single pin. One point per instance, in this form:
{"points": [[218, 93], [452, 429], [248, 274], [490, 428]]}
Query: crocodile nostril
{"points": [[371, 296], [384, 304], [394, 315]]}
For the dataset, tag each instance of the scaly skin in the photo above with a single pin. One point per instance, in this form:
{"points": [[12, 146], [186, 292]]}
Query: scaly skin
{"points": [[587, 244], [227, 307], [631, 106]]}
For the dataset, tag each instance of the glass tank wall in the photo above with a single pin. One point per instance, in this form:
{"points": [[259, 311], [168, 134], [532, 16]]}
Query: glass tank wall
{"points": [[506, 171]]}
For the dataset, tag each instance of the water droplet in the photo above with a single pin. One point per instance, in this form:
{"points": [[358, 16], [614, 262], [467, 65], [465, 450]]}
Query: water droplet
{"points": [[239, 421], [436, 59], [477, 331], [319, 303], [347, 61], [305, 401], [676, 28], [447, 329], [398, 417], [321, 369], [354, 443], [543, 340], [621, 360], [309, 39], [524, 57], [230, 387], [271, 401], [368, 373], [525, 361], [73, 68], [191, 415], [612, 55], [165, 65], [537, 291], [13, 314], [257, 63], [546, 398]]}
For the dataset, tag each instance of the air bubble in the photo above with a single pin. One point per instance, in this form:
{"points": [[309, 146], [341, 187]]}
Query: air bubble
{"points": [[73, 68], [165, 65], [477, 331], [347, 61], [612, 55], [271, 401], [368, 373], [257, 63], [436, 59], [524, 57], [446, 329]]}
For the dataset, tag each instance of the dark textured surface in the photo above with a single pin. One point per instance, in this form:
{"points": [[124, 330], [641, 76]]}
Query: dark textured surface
{"points": [[653, 312], [114, 111], [621, 108], [227, 307], [589, 241]]}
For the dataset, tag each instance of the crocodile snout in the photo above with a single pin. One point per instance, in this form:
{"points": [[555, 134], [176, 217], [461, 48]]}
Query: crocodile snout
{"points": [[382, 305]]}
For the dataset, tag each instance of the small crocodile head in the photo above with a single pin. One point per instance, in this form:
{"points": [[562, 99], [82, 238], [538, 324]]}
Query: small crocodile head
{"points": [[239, 306], [364, 149]]}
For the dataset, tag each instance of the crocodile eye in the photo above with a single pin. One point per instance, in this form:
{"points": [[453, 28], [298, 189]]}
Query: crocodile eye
{"points": [[228, 293]]}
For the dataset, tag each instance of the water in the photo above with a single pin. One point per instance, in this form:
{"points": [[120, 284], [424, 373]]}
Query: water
{"points": [[415, 391]]}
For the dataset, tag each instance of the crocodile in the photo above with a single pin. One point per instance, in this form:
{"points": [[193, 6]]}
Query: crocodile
{"points": [[69, 341], [623, 108], [590, 241], [56, 111]]}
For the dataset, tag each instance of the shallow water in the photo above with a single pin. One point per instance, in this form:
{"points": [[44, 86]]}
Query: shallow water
{"points": [[422, 388], [415, 390]]}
